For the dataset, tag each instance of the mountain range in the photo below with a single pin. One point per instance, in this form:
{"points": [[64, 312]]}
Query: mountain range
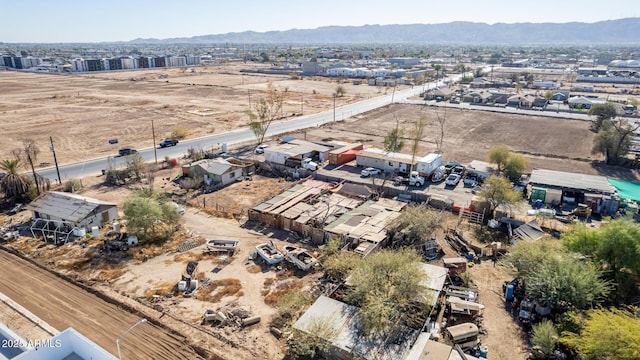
{"points": [[611, 32]]}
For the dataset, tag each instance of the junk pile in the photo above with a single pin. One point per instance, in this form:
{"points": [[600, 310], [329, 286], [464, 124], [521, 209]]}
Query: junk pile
{"points": [[189, 283], [234, 317]]}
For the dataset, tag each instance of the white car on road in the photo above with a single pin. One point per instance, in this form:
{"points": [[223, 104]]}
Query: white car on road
{"points": [[370, 171]]}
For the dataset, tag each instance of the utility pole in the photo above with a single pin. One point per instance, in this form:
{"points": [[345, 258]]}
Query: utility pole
{"points": [[334, 107], [393, 93], [301, 105], [55, 159], [153, 132]]}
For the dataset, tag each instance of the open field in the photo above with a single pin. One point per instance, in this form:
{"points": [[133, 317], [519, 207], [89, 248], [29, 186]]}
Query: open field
{"points": [[82, 112], [549, 143]]}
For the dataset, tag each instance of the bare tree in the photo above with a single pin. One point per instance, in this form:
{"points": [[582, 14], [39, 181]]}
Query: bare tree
{"points": [[441, 121], [135, 164], [264, 112], [416, 136]]}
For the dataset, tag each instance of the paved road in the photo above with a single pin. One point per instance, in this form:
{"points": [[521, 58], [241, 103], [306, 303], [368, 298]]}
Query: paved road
{"points": [[62, 305], [94, 167]]}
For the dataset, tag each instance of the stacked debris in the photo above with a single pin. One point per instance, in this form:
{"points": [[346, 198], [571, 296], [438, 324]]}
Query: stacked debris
{"points": [[235, 317]]}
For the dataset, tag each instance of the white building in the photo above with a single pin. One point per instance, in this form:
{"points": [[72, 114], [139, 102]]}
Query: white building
{"points": [[78, 65], [68, 344]]}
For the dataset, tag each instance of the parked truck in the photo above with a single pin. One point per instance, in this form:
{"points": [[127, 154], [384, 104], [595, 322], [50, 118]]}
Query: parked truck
{"points": [[427, 165], [415, 179], [305, 163]]}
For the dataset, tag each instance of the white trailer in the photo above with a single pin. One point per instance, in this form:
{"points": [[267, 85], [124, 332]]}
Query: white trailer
{"points": [[428, 164]]}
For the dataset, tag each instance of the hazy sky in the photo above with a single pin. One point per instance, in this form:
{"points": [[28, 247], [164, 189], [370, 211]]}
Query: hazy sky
{"points": [[51, 21]]}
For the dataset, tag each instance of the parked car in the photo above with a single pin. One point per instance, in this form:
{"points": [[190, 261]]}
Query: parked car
{"points": [[260, 149], [458, 170], [449, 165], [452, 180], [168, 142], [470, 180], [126, 151], [369, 171]]}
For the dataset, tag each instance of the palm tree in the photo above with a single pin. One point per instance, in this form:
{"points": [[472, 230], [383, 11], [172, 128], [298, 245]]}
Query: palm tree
{"points": [[14, 185]]}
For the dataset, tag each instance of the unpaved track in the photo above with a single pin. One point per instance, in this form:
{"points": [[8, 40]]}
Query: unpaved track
{"points": [[63, 305]]}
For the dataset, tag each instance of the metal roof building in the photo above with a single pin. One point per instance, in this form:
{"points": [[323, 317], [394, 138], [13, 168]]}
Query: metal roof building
{"points": [[79, 210], [567, 180]]}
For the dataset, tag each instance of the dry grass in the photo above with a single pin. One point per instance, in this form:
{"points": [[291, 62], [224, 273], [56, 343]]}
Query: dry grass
{"points": [[111, 273], [254, 269], [274, 296], [268, 282], [215, 291], [187, 256], [161, 289]]}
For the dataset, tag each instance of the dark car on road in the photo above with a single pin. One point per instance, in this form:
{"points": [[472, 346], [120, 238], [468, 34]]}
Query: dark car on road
{"points": [[168, 142], [126, 151]]}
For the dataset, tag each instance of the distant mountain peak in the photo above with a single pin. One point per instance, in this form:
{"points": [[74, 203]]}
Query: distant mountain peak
{"points": [[612, 32]]}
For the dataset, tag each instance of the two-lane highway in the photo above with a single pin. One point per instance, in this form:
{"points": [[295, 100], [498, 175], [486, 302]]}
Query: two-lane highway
{"points": [[95, 166]]}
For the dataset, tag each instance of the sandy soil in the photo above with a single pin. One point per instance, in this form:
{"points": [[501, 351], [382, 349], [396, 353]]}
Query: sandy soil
{"points": [[82, 112]]}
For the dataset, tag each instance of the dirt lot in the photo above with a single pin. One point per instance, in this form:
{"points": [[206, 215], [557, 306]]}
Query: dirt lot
{"points": [[82, 112], [547, 142]]}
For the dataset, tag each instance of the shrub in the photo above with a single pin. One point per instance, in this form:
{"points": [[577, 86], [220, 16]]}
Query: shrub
{"points": [[179, 133]]}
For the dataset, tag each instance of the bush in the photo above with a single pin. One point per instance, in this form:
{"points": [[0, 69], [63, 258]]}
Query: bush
{"points": [[179, 133]]}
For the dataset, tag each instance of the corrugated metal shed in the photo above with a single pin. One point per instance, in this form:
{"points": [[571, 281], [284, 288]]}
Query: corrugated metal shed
{"points": [[71, 207], [591, 183], [434, 281]]}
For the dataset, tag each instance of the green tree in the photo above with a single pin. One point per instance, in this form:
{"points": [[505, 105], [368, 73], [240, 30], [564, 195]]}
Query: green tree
{"points": [[602, 112], [340, 264], [514, 77], [14, 185], [387, 286], [614, 140], [515, 165], [556, 276], [394, 140], [415, 225], [147, 218], [607, 334], [566, 280], [499, 155], [545, 337], [548, 94], [498, 191], [264, 112], [616, 248]]}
